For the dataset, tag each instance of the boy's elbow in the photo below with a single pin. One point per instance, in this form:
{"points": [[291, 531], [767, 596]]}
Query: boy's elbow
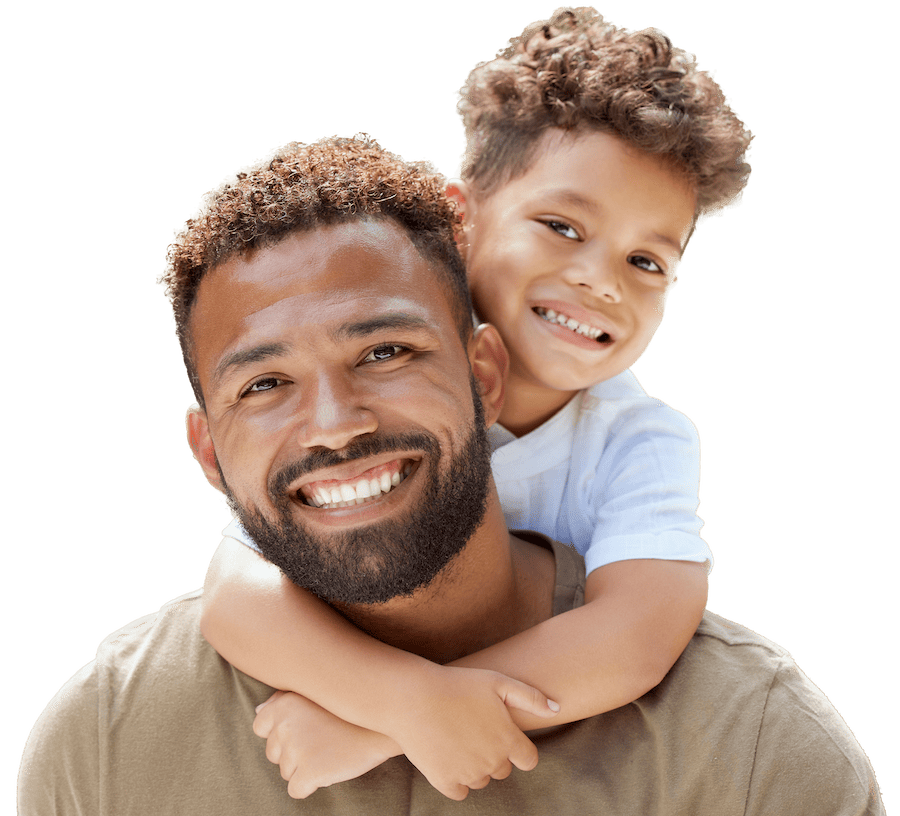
{"points": [[208, 620]]}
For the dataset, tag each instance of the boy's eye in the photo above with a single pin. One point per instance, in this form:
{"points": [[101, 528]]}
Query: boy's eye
{"points": [[264, 384], [642, 262], [564, 229], [385, 352]]}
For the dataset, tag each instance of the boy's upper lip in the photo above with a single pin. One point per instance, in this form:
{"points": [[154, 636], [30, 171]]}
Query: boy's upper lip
{"points": [[352, 470], [581, 314]]}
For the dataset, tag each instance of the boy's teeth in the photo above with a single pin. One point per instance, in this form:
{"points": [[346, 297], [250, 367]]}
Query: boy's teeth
{"points": [[346, 494], [570, 323]]}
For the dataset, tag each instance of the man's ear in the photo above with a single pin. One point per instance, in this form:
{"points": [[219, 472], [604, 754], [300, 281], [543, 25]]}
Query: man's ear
{"points": [[490, 364], [202, 446]]}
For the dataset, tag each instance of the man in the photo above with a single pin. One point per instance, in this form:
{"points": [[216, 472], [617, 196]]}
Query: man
{"points": [[344, 289]]}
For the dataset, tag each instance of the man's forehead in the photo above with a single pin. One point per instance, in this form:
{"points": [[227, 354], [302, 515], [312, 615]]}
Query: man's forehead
{"points": [[340, 280]]}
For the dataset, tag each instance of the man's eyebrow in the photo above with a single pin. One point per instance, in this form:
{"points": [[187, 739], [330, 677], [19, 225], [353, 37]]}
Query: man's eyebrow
{"points": [[402, 321], [244, 357]]}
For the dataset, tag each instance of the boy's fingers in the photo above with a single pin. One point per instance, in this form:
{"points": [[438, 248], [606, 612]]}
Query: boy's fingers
{"points": [[503, 771], [271, 699], [273, 752], [527, 698], [453, 791], [524, 756], [262, 725]]}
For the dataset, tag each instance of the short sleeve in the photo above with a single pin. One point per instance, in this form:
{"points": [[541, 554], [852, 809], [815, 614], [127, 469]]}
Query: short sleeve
{"points": [[59, 775], [645, 492], [807, 761]]}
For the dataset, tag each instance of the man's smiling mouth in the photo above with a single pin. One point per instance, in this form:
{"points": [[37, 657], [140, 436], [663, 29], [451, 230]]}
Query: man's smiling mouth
{"points": [[583, 329], [366, 487]]}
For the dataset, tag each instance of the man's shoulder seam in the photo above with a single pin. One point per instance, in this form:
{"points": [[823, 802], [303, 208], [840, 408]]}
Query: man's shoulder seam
{"points": [[142, 624]]}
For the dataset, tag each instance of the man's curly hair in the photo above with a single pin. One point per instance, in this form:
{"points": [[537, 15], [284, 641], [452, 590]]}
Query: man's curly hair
{"points": [[580, 74], [305, 186]]}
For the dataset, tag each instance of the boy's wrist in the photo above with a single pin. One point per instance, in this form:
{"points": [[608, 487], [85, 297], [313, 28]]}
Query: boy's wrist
{"points": [[407, 702]]}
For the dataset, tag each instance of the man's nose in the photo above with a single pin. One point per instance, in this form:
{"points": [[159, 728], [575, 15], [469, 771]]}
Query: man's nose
{"points": [[597, 272], [333, 414]]}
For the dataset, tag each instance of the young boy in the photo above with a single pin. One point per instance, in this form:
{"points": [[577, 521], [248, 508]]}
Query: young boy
{"points": [[591, 153]]}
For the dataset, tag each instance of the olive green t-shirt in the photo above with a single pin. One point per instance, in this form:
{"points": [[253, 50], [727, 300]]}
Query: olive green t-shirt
{"points": [[160, 724]]}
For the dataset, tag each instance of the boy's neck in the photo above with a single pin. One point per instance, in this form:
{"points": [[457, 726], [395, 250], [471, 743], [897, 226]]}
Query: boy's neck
{"points": [[526, 407]]}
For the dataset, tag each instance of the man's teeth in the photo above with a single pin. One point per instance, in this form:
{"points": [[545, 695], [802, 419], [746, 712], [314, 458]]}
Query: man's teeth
{"points": [[364, 490], [570, 323]]}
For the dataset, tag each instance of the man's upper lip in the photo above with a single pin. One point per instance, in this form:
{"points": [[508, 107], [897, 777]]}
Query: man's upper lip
{"points": [[581, 314], [349, 471]]}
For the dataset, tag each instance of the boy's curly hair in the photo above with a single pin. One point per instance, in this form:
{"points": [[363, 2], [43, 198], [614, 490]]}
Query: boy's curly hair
{"points": [[578, 73], [305, 186]]}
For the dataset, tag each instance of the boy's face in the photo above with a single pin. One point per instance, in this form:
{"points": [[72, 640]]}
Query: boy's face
{"points": [[589, 237]]}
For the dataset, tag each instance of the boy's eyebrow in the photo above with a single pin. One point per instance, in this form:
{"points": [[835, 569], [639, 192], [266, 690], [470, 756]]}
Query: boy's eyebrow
{"points": [[665, 239], [574, 199], [392, 320], [245, 357]]}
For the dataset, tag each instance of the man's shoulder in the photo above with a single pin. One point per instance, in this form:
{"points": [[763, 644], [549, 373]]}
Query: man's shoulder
{"points": [[156, 703], [176, 620]]}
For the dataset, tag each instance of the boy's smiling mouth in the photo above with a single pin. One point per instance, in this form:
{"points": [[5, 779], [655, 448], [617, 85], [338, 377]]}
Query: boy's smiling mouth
{"points": [[583, 329], [366, 487]]}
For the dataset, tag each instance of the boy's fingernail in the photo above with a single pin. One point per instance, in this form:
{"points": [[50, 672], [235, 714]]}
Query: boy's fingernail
{"points": [[554, 707], [260, 707]]}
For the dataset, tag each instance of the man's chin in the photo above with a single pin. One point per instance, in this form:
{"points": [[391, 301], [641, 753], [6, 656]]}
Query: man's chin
{"points": [[402, 552], [366, 564]]}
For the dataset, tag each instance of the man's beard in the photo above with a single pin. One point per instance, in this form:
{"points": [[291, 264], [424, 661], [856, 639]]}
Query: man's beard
{"points": [[391, 558]]}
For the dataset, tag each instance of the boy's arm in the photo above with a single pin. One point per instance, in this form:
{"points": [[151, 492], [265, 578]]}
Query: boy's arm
{"points": [[637, 619], [286, 637]]}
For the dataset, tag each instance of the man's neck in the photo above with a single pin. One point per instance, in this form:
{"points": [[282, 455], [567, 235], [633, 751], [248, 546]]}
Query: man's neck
{"points": [[495, 588]]}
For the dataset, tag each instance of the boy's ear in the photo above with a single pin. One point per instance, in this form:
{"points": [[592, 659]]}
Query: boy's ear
{"points": [[490, 364], [458, 192], [202, 446]]}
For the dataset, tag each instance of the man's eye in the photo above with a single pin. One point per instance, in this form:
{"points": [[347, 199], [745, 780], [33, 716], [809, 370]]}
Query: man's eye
{"points": [[380, 353], [265, 384], [564, 229], [642, 262]]}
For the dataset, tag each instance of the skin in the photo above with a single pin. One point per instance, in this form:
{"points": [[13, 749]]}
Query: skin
{"points": [[328, 300], [640, 614], [338, 334], [594, 230]]}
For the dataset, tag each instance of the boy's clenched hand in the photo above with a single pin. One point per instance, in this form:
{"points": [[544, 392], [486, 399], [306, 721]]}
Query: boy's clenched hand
{"points": [[314, 748], [452, 723], [454, 726]]}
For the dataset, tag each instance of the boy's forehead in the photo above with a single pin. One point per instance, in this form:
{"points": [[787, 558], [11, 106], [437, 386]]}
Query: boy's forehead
{"points": [[590, 169]]}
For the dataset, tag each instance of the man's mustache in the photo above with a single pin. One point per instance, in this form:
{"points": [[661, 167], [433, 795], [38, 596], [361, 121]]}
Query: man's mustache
{"points": [[360, 448]]}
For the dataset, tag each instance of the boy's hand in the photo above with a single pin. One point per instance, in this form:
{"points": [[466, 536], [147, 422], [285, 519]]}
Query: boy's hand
{"points": [[312, 747], [457, 730]]}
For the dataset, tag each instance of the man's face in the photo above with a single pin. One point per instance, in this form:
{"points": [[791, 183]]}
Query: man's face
{"points": [[571, 261], [340, 407]]}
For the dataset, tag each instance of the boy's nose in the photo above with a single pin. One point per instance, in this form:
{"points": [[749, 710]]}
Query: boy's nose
{"points": [[598, 274], [332, 415]]}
